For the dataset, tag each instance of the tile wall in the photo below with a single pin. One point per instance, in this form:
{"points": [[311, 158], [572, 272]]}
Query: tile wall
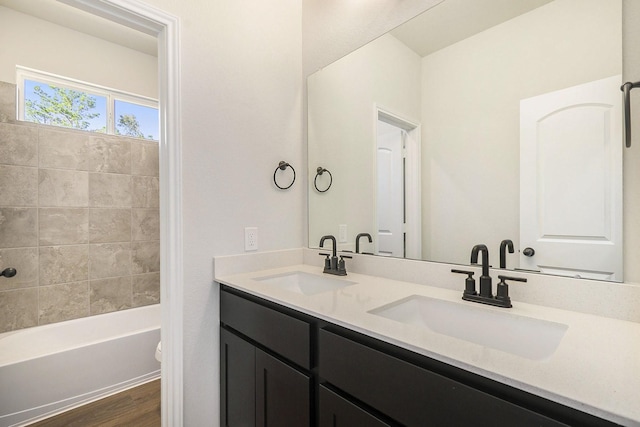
{"points": [[79, 220]]}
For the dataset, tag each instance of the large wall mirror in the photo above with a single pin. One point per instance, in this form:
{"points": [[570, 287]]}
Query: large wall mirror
{"points": [[485, 121]]}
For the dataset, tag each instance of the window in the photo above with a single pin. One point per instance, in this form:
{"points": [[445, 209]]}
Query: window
{"points": [[136, 120], [53, 100]]}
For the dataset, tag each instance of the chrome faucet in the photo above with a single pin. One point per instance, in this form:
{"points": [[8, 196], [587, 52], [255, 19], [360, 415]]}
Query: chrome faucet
{"points": [[333, 265]]}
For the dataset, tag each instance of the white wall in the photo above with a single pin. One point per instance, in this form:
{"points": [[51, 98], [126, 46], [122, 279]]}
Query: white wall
{"points": [[42, 45], [342, 134], [471, 160], [241, 89]]}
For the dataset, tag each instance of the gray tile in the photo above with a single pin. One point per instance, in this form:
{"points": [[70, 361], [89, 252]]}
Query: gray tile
{"points": [[63, 226], [63, 188], [109, 295], [18, 186], [63, 302], [145, 224], [18, 309], [7, 102], [18, 144], [145, 192], [60, 149], [109, 154], [25, 261], [18, 227], [109, 225], [63, 264], [145, 289], [144, 158], [109, 190], [145, 257], [109, 260]]}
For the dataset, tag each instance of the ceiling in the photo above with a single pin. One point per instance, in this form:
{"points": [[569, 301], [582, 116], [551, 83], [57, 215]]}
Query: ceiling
{"points": [[84, 22], [455, 20], [441, 26]]}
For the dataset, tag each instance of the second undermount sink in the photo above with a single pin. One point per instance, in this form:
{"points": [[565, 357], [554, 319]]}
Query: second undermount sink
{"points": [[523, 336], [305, 283]]}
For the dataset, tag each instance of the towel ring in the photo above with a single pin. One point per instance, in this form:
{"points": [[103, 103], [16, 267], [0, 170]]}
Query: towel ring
{"points": [[319, 172], [282, 166]]}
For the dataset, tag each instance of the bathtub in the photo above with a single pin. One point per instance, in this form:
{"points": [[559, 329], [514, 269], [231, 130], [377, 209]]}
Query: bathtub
{"points": [[48, 369]]}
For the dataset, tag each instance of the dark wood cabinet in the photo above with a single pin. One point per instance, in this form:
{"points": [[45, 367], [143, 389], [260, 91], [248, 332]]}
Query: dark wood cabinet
{"points": [[280, 367], [264, 362], [412, 395], [337, 411], [282, 333], [283, 394], [237, 381]]}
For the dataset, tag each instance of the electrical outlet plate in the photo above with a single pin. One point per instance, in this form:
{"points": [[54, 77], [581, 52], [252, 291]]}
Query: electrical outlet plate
{"points": [[251, 238], [342, 233]]}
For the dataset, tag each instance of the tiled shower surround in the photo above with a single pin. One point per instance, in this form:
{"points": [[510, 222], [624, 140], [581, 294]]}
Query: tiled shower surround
{"points": [[79, 220]]}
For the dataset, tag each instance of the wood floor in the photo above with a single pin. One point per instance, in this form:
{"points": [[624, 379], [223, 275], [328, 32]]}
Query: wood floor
{"points": [[139, 407]]}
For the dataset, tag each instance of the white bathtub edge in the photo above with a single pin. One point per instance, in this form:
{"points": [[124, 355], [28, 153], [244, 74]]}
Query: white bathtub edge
{"points": [[23, 350]]}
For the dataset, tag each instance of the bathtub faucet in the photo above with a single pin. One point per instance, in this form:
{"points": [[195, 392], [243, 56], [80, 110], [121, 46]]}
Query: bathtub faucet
{"points": [[9, 272]]}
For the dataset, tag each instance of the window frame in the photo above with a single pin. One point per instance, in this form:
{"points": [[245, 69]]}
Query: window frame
{"points": [[111, 95]]}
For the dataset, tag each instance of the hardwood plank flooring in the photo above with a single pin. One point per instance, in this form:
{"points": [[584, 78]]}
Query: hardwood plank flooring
{"points": [[139, 407]]}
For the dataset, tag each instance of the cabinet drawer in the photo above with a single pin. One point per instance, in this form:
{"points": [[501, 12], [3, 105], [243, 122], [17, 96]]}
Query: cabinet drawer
{"points": [[410, 394], [283, 334]]}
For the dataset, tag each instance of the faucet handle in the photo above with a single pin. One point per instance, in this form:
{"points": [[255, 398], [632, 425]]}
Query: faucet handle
{"points": [[517, 279], [469, 283], [341, 265], [502, 290], [327, 261]]}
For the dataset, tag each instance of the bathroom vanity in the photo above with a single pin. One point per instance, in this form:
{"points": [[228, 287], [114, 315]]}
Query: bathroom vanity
{"points": [[298, 348]]}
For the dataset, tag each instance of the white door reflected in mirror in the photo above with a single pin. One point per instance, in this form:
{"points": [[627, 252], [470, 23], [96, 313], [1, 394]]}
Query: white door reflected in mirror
{"points": [[571, 181]]}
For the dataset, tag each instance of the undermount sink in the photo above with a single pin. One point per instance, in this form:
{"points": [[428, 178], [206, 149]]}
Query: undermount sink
{"points": [[501, 330], [304, 283]]}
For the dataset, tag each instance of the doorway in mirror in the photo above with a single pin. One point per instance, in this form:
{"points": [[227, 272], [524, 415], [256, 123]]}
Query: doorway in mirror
{"points": [[398, 192]]}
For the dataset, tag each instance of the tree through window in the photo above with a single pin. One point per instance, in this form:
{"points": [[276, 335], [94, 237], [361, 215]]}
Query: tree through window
{"points": [[53, 101]]}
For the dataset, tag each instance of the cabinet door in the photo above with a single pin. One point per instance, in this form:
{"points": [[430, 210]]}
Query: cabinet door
{"points": [[237, 381], [336, 411], [283, 397]]}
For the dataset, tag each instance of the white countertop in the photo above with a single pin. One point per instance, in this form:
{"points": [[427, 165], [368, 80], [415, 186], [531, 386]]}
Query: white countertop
{"points": [[595, 369]]}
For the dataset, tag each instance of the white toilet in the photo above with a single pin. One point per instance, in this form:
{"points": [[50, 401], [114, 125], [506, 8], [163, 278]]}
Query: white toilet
{"points": [[159, 352]]}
